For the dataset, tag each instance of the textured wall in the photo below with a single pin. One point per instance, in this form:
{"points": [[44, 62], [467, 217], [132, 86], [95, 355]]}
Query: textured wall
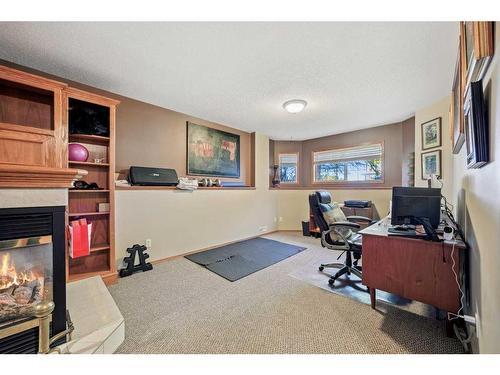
{"points": [[476, 195], [408, 133], [293, 205], [148, 135], [391, 135], [151, 136], [438, 109], [178, 221]]}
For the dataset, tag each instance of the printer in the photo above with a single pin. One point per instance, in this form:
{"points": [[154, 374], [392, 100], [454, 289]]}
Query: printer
{"points": [[149, 176]]}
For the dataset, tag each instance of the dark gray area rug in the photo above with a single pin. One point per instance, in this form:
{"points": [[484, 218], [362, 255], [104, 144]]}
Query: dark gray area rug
{"points": [[240, 259]]}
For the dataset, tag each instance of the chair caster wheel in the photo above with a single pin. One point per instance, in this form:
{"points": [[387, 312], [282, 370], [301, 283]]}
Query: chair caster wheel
{"points": [[321, 268], [331, 282]]}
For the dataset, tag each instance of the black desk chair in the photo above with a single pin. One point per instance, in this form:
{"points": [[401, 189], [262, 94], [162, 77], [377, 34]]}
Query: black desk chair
{"points": [[350, 245]]}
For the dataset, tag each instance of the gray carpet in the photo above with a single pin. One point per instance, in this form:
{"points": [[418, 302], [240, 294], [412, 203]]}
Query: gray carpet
{"points": [[240, 259], [179, 307], [353, 288]]}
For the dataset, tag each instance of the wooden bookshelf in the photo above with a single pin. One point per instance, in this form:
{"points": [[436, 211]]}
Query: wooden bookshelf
{"points": [[108, 277], [33, 141], [88, 138], [99, 247], [91, 191], [88, 163], [84, 203], [82, 214]]}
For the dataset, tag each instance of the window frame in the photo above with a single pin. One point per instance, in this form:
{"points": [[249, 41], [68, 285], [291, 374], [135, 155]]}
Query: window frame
{"points": [[346, 183], [297, 175]]}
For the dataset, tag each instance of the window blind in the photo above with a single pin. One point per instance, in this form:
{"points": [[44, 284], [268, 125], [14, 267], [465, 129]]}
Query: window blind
{"points": [[366, 152], [288, 159]]}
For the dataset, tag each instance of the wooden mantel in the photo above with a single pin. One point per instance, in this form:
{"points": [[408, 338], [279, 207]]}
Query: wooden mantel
{"points": [[23, 176]]}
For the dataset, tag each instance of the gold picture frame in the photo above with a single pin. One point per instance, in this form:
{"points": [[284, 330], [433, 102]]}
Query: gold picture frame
{"points": [[475, 52], [477, 49], [456, 108]]}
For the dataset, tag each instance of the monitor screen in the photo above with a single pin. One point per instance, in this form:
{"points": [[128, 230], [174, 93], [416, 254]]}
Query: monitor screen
{"points": [[411, 204]]}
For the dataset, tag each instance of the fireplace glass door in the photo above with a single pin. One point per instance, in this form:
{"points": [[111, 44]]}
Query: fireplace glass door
{"points": [[26, 277]]}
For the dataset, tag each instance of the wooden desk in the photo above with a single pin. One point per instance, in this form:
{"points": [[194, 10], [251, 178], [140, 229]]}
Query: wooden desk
{"points": [[412, 268]]}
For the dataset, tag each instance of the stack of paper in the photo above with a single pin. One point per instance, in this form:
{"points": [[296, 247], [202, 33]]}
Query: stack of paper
{"points": [[187, 183]]}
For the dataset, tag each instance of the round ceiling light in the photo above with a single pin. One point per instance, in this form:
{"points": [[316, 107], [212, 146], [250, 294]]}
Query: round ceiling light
{"points": [[295, 105]]}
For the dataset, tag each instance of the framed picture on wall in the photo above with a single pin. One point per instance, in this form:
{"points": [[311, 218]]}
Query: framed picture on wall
{"points": [[212, 152], [431, 164], [431, 134], [477, 50], [456, 110], [476, 127]]}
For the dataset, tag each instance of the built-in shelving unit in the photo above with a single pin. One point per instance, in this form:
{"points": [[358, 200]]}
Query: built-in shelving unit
{"points": [[89, 164], [84, 203], [83, 214], [76, 191], [33, 142], [88, 138]]}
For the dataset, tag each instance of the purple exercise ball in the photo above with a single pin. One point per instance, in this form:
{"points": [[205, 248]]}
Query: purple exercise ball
{"points": [[77, 152]]}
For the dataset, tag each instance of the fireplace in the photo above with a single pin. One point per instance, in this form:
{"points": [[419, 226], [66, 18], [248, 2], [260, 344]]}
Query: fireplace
{"points": [[32, 270], [25, 276]]}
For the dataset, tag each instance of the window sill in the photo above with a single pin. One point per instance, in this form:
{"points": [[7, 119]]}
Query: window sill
{"points": [[125, 188], [332, 187]]}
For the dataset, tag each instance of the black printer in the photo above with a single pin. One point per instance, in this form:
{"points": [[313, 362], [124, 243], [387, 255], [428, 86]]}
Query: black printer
{"points": [[148, 176]]}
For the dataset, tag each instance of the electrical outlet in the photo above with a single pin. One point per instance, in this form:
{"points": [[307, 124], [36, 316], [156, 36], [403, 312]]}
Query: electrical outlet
{"points": [[148, 243], [281, 219], [275, 219], [263, 228]]}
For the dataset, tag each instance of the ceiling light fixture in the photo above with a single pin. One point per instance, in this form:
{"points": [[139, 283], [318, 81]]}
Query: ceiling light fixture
{"points": [[295, 105]]}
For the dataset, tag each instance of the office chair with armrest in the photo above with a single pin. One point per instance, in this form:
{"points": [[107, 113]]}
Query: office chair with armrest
{"points": [[350, 245]]}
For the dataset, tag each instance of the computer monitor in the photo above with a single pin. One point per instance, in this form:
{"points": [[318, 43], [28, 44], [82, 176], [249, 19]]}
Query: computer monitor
{"points": [[416, 205]]}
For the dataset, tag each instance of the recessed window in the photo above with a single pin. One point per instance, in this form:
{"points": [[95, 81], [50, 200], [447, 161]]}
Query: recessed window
{"points": [[289, 171], [357, 164]]}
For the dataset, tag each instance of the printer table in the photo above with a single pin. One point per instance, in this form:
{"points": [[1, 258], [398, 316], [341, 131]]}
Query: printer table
{"points": [[412, 268]]}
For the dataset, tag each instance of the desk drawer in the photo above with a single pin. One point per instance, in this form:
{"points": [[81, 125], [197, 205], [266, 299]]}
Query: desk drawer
{"points": [[414, 269]]}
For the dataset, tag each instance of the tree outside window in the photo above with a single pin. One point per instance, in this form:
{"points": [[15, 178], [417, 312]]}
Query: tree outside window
{"points": [[288, 168], [354, 164]]}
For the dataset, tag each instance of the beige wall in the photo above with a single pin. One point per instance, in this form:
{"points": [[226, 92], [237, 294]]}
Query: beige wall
{"points": [[408, 147], [290, 147], [438, 109], [476, 195], [391, 135], [293, 205], [178, 222], [151, 136]]}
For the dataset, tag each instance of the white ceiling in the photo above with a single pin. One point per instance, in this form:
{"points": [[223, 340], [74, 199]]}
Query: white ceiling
{"points": [[353, 75]]}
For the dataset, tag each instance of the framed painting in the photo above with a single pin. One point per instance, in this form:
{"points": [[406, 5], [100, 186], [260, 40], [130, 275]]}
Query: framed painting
{"points": [[431, 164], [212, 152], [431, 134], [477, 49], [456, 110], [476, 127]]}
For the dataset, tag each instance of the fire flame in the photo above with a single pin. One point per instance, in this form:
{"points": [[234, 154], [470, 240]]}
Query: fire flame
{"points": [[9, 276]]}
